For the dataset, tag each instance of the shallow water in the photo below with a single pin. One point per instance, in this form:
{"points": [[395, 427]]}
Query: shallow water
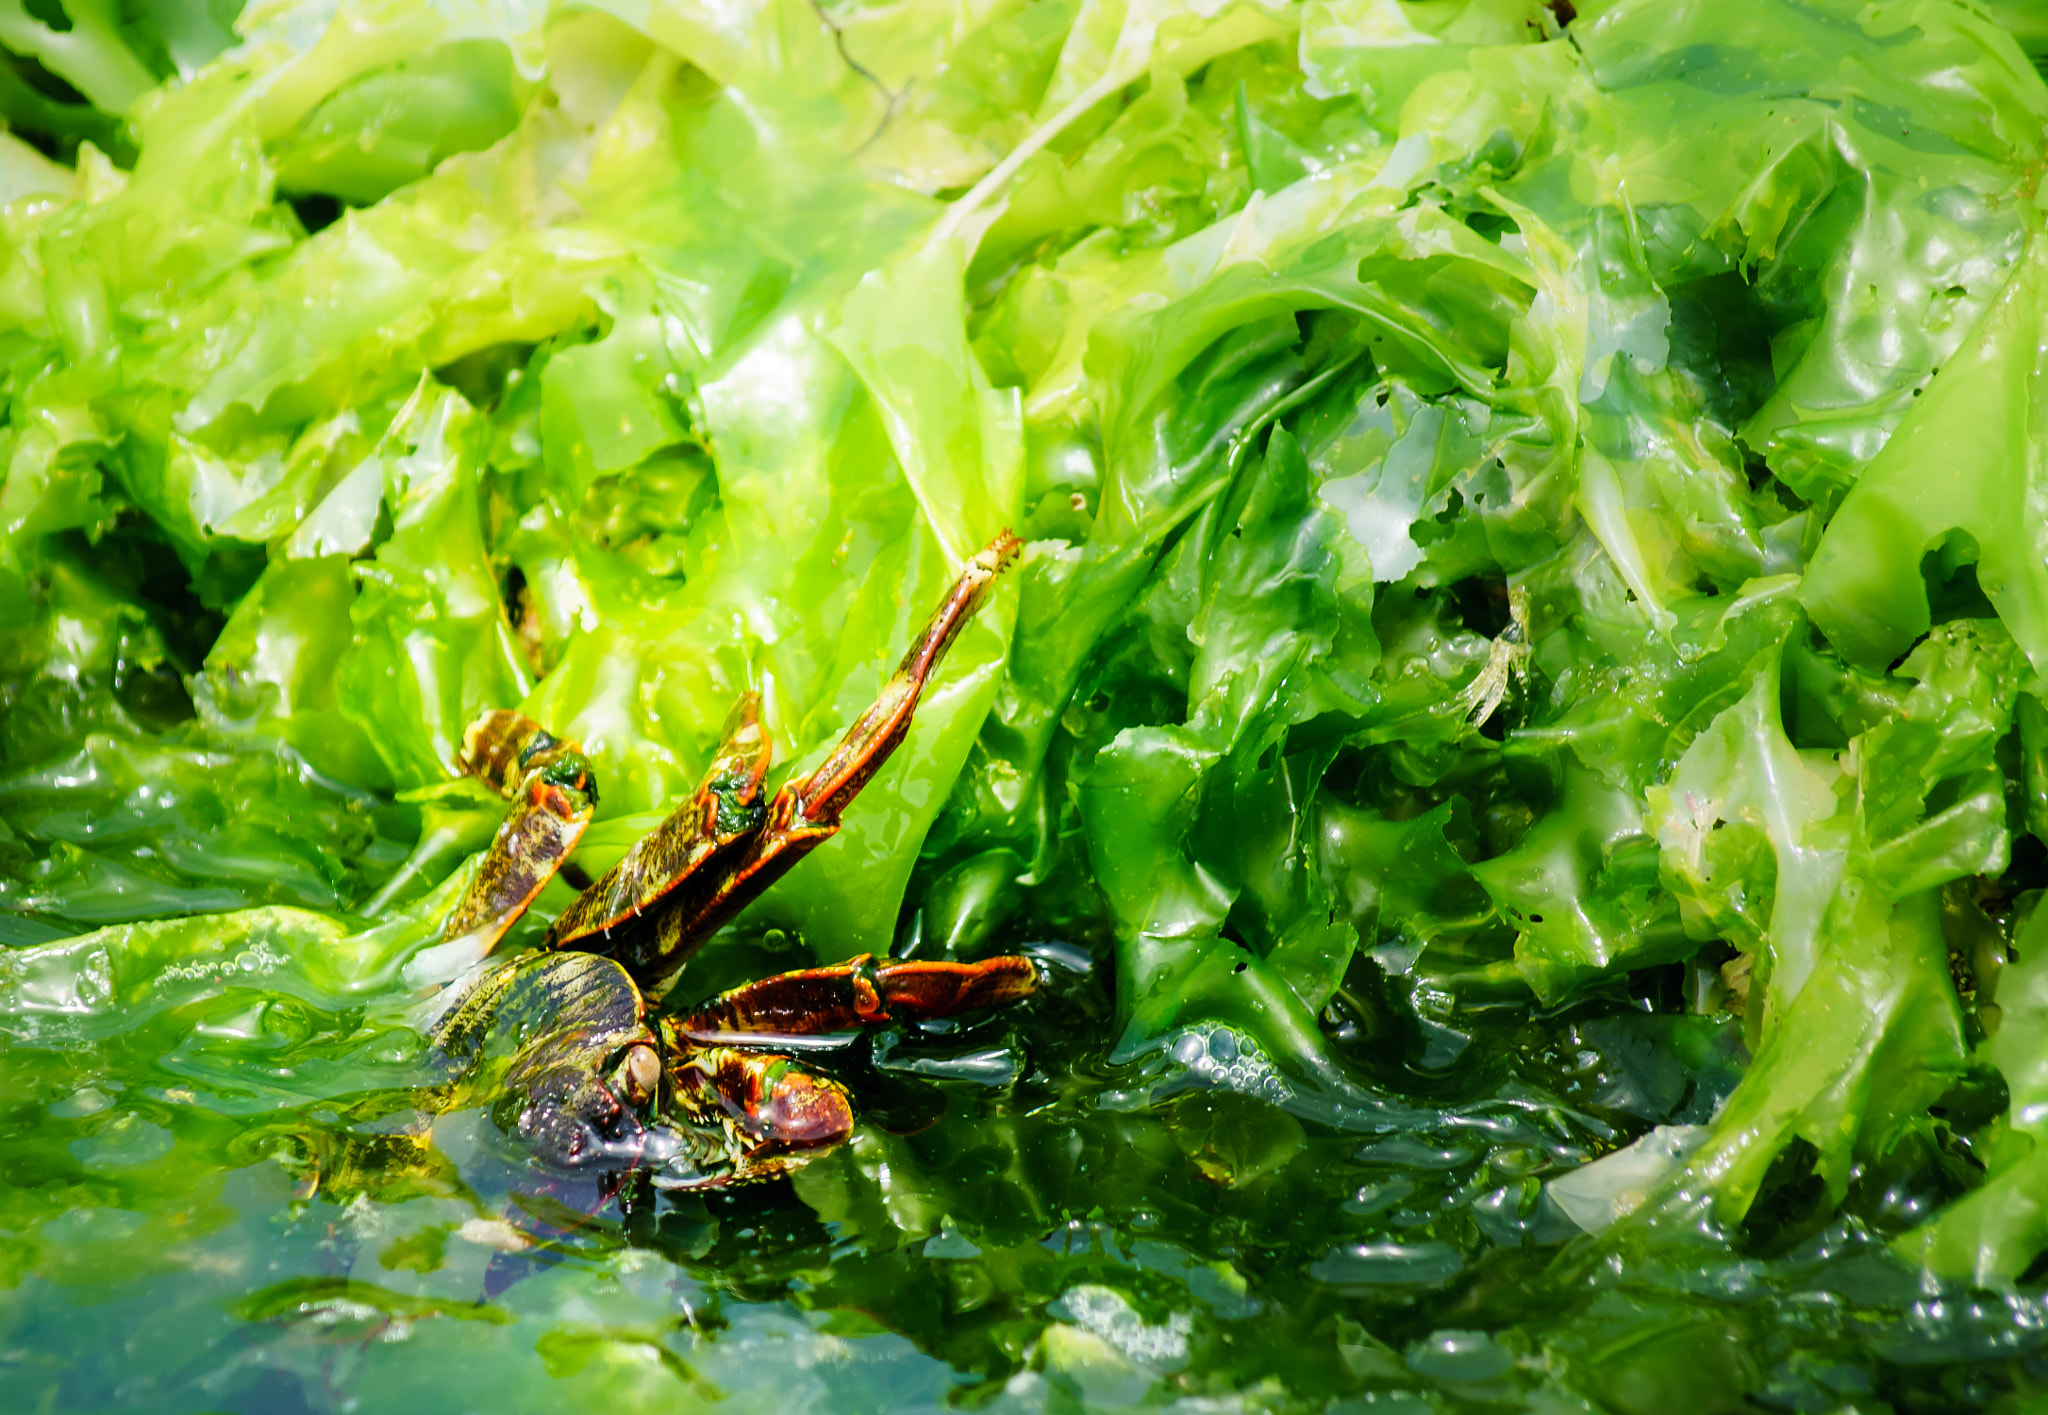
{"points": [[214, 1201]]}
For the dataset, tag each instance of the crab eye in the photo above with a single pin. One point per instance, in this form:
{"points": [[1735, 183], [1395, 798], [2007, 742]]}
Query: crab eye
{"points": [[639, 1074], [571, 773]]}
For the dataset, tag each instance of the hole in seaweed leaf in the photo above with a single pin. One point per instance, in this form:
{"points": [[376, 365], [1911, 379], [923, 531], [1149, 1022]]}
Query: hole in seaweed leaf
{"points": [[50, 12]]}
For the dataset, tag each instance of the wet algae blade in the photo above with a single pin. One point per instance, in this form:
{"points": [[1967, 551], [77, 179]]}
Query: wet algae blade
{"points": [[1510, 764]]}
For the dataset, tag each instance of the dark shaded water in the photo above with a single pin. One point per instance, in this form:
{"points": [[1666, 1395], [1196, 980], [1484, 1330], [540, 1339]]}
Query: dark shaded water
{"points": [[212, 1201]]}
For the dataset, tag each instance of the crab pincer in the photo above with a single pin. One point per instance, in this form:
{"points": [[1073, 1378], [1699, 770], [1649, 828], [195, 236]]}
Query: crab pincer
{"points": [[778, 1113]]}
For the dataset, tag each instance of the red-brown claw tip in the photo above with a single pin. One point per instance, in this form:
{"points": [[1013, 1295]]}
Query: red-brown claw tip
{"points": [[806, 1112]]}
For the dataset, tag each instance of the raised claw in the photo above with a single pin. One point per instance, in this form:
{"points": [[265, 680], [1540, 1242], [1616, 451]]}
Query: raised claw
{"points": [[807, 812], [859, 993], [554, 795]]}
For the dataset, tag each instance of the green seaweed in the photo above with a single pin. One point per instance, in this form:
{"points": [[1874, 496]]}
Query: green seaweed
{"points": [[1517, 737]]}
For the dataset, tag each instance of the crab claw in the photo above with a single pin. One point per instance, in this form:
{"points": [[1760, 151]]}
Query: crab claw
{"points": [[775, 1114]]}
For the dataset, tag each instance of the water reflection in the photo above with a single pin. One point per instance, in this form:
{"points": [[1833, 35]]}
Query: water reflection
{"points": [[227, 1188]]}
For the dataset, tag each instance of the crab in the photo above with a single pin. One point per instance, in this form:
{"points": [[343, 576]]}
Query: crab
{"points": [[561, 1041]]}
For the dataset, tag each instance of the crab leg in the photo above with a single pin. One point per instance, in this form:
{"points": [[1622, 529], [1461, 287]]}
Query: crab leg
{"points": [[807, 812], [554, 794], [855, 994], [704, 831]]}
